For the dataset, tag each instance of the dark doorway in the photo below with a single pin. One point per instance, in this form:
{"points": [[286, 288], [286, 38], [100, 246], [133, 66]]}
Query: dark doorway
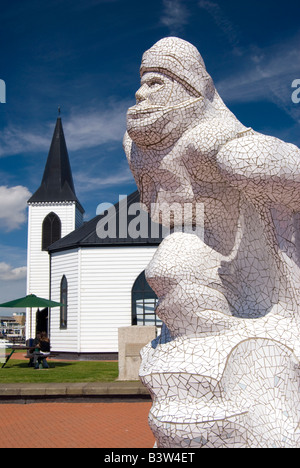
{"points": [[42, 321]]}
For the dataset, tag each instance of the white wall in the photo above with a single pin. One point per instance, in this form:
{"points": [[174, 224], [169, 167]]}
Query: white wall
{"points": [[107, 277], [102, 302], [67, 264]]}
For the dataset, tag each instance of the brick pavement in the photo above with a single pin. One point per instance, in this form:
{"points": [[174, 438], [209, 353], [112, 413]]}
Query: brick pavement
{"points": [[75, 425]]}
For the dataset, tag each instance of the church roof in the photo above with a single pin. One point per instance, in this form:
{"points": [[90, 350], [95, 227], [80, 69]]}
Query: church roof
{"points": [[118, 218], [57, 183]]}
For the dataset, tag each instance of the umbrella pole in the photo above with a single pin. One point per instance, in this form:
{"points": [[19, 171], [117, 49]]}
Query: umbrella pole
{"points": [[30, 333]]}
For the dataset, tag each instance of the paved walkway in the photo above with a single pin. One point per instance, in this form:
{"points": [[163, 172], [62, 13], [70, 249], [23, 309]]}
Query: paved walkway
{"points": [[75, 425], [112, 415]]}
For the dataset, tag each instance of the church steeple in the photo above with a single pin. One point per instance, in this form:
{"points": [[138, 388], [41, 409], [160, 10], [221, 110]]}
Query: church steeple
{"points": [[53, 212], [57, 183]]}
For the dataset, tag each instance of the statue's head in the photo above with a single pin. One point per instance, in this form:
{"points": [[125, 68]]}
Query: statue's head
{"points": [[175, 91]]}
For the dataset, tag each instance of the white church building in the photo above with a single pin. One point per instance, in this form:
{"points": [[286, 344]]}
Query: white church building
{"points": [[99, 279]]}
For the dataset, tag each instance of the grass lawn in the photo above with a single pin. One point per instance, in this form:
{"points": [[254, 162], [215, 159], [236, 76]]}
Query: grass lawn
{"points": [[17, 371]]}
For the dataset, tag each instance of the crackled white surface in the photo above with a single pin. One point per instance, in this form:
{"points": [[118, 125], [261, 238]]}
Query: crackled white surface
{"points": [[230, 299]]}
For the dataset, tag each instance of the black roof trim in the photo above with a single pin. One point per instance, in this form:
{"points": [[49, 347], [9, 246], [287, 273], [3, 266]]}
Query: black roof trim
{"points": [[86, 235]]}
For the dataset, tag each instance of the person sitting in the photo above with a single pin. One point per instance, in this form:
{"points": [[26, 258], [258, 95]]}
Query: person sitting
{"points": [[32, 343], [42, 351]]}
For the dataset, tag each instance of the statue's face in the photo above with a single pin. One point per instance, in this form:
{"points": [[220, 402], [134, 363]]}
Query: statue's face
{"points": [[164, 110], [159, 116], [159, 90]]}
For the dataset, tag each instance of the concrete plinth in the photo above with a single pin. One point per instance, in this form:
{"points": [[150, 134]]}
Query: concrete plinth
{"points": [[131, 341]]}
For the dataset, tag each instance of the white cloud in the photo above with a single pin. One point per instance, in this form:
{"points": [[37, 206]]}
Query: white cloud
{"points": [[15, 140], [265, 75], [13, 204], [87, 182], [262, 74], [12, 278], [83, 130], [96, 127], [175, 15], [8, 273], [229, 29], [12, 286]]}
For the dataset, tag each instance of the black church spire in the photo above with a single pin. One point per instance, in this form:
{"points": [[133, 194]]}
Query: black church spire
{"points": [[57, 183]]}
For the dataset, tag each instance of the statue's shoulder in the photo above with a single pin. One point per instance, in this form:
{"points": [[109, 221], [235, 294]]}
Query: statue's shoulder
{"points": [[209, 135], [252, 157], [249, 141]]}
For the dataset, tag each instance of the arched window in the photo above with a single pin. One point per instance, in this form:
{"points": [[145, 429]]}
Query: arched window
{"points": [[144, 301], [64, 301], [51, 231]]}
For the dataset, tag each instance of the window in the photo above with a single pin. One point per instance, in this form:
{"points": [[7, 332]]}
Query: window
{"points": [[51, 231], [144, 301], [64, 301]]}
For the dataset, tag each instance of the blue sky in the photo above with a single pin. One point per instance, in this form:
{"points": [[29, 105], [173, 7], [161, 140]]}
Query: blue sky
{"points": [[84, 56]]}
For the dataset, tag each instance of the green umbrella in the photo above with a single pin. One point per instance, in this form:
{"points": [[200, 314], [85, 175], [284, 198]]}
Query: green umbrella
{"points": [[30, 301]]}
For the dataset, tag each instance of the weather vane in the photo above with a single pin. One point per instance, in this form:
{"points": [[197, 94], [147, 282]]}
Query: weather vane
{"points": [[59, 111]]}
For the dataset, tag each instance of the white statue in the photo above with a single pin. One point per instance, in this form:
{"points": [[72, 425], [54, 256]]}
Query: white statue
{"points": [[230, 375]]}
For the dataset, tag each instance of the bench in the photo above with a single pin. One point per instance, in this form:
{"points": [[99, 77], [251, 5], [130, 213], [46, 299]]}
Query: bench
{"points": [[31, 345], [31, 354]]}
